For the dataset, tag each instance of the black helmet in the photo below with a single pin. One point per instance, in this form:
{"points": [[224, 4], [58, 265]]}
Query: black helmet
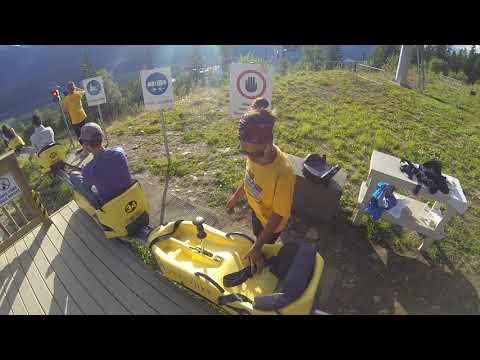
{"points": [[316, 169]]}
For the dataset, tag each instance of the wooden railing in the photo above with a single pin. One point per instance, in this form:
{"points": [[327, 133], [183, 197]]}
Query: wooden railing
{"points": [[21, 208]]}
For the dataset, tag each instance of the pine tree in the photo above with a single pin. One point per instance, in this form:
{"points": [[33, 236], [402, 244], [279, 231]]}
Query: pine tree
{"points": [[226, 53], [472, 66], [86, 67], [196, 63], [333, 54]]}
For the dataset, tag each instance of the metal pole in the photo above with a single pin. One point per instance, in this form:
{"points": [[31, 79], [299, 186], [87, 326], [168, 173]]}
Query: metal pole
{"points": [[167, 177], [102, 124], [66, 124]]}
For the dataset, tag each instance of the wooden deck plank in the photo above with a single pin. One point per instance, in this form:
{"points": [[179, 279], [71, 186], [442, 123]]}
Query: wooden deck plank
{"points": [[11, 289], [162, 285], [39, 287], [63, 300], [78, 266], [25, 290], [5, 306], [157, 301], [106, 276], [38, 239]]}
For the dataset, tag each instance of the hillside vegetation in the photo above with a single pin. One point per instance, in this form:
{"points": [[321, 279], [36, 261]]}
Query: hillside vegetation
{"points": [[331, 112]]}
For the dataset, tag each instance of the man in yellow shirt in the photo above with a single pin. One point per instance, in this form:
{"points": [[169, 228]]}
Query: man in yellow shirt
{"points": [[269, 180], [73, 105]]}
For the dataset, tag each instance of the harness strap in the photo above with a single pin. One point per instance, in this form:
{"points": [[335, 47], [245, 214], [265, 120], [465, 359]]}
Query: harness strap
{"points": [[227, 299]]}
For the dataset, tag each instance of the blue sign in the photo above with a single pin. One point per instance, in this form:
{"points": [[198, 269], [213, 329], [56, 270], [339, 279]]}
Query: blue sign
{"points": [[94, 87], [156, 83]]}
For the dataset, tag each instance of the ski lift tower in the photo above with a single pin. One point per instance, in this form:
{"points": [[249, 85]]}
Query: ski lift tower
{"points": [[401, 76]]}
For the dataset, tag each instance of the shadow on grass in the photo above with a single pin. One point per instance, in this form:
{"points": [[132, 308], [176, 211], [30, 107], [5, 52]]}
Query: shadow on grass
{"points": [[370, 277]]}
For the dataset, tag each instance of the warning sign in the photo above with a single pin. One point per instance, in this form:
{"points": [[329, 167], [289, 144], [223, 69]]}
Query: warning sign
{"points": [[247, 82], [94, 91], [9, 189]]}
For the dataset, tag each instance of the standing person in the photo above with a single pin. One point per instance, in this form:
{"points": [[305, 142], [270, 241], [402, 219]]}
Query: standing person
{"points": [[269, 180], [42, 136], [73, 105]]}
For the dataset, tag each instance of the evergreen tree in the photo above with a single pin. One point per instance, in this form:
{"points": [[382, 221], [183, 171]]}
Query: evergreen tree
{"points": [[472, 66], [333, 55], [86, 67]]}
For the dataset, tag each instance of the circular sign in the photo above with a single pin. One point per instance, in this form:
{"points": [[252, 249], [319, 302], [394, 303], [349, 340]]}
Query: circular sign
{"points": [[131, 206], [94, 87], [4, 184], [251, 84], [156, 83]]}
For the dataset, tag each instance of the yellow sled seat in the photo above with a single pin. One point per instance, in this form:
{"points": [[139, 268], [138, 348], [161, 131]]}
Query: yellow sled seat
{"points": [[15, 143], [50, 156], [124, 215], [177, 251]]}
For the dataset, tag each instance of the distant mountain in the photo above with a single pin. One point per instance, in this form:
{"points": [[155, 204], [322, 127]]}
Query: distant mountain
{"points": [[27, 73]]}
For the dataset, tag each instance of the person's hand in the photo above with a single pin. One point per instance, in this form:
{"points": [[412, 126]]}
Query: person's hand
{"points": [[232, 203], [255, 257]]}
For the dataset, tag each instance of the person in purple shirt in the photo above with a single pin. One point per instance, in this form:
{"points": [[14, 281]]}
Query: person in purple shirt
{"points": [[108, 171]]}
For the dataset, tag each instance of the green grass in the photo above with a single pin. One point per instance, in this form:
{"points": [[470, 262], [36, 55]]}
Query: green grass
{"points": [[331, 112]]}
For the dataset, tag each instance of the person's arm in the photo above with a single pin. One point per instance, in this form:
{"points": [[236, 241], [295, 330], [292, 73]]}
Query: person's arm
{"points": [[255, 253], [239, 193], [269, 229], [282, 204], [80, 90]]}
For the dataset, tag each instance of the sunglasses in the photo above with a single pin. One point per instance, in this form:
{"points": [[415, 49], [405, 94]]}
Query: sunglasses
{"points": [[254, 154]]}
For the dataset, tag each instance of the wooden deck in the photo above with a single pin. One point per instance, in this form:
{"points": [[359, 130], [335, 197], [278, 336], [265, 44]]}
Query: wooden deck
{"points": [[69, 267]]}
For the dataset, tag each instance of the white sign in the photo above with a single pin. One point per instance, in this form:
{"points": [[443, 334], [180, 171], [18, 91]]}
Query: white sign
{"points": [[157, 88], [9, 189], [247, 82], [94, 91]]}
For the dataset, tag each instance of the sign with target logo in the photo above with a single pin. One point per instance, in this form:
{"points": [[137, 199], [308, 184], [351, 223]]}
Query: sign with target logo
{"points": [[94, 91], [157, 88], [248, 82]]}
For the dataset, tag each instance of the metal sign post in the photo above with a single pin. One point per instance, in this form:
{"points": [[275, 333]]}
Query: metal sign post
{"points": [[167, 176], [158, 94], [102, 124], [66, 124], [95, 94]]}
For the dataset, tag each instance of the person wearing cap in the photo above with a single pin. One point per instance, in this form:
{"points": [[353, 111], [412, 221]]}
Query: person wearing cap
{"points": [[42, 136], [107, 172], [269, 180], [72, 103]]}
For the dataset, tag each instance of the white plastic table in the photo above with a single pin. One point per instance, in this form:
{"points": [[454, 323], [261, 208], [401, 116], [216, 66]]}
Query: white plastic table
{"points": [[409, 212]]}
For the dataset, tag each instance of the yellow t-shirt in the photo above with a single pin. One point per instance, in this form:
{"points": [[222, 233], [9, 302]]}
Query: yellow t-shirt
{"points": [[269, 188], [73, 104]]}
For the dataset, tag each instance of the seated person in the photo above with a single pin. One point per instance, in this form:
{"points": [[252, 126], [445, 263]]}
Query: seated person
{"points": [[3, 135], [8, 134], [42, 136], [108, 171]]}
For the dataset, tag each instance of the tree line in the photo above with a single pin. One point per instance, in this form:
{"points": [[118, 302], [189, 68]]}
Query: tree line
{"points": [[461, 64]]}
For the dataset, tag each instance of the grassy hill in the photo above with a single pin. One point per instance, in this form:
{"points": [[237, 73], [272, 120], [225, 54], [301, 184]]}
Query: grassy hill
{"points": [[328, 112]]}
